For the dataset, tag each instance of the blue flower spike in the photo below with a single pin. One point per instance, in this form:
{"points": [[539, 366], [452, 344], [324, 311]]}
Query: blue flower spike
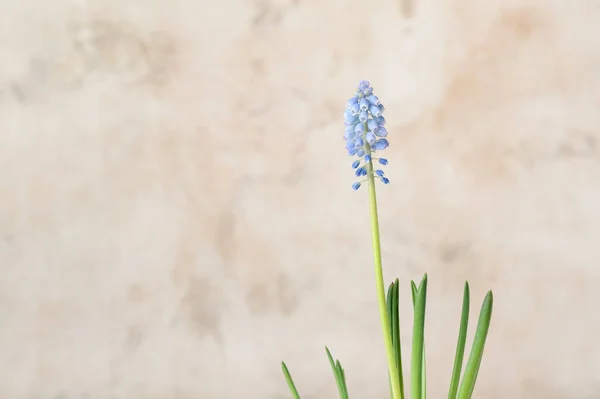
{"points": [[365, 132]]}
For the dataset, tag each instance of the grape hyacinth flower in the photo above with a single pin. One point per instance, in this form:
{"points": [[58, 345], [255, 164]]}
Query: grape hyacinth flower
{"points": [[365, 132], [365, 138]]}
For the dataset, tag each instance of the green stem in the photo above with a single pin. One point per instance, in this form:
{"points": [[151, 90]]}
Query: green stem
{"points": [[385, 324]]}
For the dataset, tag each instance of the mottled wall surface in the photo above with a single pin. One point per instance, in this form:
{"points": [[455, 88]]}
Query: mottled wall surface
{"points": [[176, 214]]}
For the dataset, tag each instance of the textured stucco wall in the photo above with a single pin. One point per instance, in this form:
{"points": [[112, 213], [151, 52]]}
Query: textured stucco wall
{"points": [[175, 206]]}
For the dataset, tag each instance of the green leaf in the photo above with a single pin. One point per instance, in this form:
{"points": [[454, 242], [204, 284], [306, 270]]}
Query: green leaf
{"points": [[468, 382], [290, 382], [390, 305], [417, 366], [413, 290], [460, 345], [342, 379], [423, 375], [339, 374], [394, 317]]}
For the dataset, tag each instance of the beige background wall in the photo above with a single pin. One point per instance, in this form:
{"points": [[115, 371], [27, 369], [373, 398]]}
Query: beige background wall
{"points": [[175, 206]]}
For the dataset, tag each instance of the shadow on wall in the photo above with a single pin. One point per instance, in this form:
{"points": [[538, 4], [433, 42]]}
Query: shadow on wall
{"points": [[105, 49]]}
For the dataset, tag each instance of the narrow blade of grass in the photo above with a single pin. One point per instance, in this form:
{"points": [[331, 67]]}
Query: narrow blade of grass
{"points": [[468, 382], [417, 371], [394, 316], [460, 345], [290, 381]]}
